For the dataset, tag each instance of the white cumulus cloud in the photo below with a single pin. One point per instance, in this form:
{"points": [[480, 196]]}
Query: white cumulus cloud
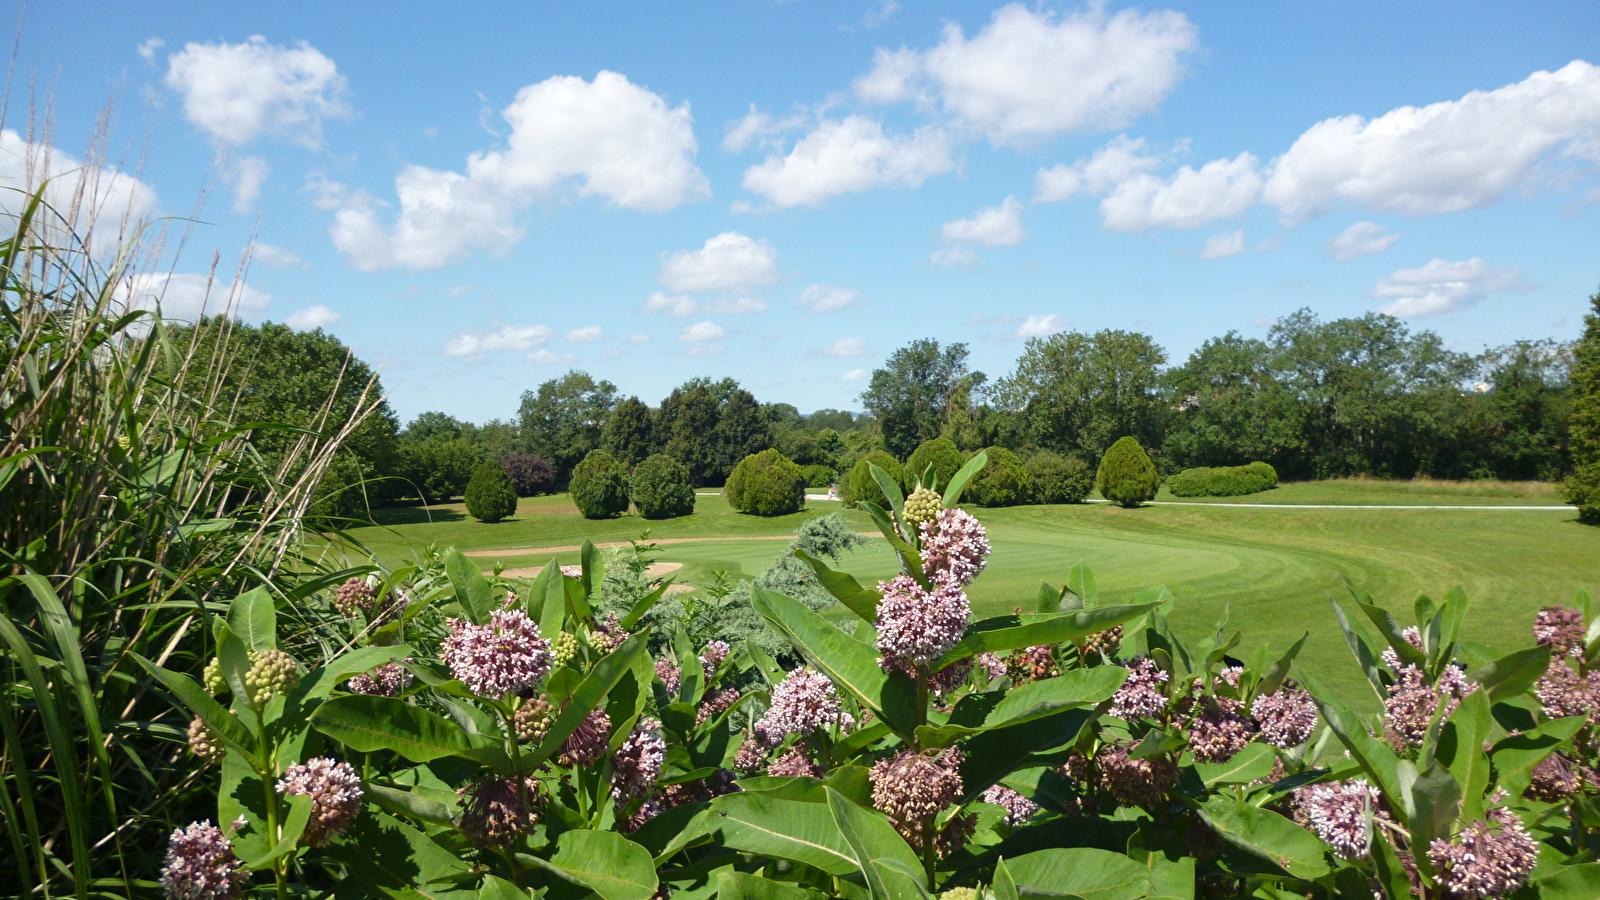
{"points": [[702, 331], [186, 296], [312, 317], [551, 358], [1225, 243], [996, 226], [849, 155], [1360, 239], [1029, 74], [854, 375], [1220, 189], [1040, 326], [506, 337], [819, 298], [586, 333], [843, 348], [239, 92], [729, 261], [86, 197], [276, 257], [1441, 287], [958, 257], [608, 137], [1120, 159], [247, 180]]}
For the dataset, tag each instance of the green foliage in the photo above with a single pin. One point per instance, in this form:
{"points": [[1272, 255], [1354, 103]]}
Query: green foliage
{"points": [[1003, 481], [438, 467], [599, 486], [818, 476], [942, 454], [858, 486], [766, 484], [630, 432], [562, 420], [1223, 481], [911, 395], [1059, 479], [490, 494], [660, 488], [1081, 392], [1126, 476], [1583, 487], [531, 474]]}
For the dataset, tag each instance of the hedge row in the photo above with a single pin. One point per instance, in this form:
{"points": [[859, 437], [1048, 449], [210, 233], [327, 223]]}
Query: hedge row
{"points": [[1007, 480], [1223, 481]]}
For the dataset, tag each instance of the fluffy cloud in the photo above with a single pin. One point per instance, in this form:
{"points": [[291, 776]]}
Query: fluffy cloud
{"points": [[247, 180], [1040, 326], [1031, 74], [551, 358], [843, 348], [705, 350], [1445, 157], [702, 331], [819, 298], [996, 226], [1225, 243], [239, 92], [854, 375], [276, 257], [958, 257], [728, 262], [1190, 198], [1360, 239], [756, 127], [1116, 162], [311, 318], [89, 198], [188, 296], [507, 337], [586, 333], [1441, 287], [608, 137], [849, 155]]}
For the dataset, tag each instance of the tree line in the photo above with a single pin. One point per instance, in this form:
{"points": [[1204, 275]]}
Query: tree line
{"points": [[1314, 398]]}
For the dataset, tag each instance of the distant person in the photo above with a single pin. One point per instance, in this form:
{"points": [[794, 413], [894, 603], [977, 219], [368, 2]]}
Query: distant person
{"points": [[833, 491]]}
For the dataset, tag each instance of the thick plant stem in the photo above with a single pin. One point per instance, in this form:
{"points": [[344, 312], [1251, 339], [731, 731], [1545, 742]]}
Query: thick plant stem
{"points": [[280, 872], [930, 854]]}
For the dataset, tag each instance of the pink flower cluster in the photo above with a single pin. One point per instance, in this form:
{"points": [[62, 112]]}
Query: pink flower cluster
{"points": [[794, 764], [588, 742], [495, 810], [637, 763], [1134, 781], [387, 680], [506, 656], [201, 865], [955, 548], [1413, 701], [912, 788], [1219, 731], [713, 655], [1563, 692], [670, 674], [1561, 629], [1018, 808], [335, 792], [1144, 693], [1339, 813], [917, 626], [1490, 858], [803, 701], [1287, 716]]}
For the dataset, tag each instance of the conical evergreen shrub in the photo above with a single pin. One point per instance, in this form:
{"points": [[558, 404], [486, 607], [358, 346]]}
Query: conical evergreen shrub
{"points": [[1583, 487], [599, 486], [1127, 476], [660, 488], [490, 494]]}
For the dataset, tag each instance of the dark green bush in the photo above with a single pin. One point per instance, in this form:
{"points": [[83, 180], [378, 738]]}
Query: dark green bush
{"points": [[1127, 477], [766, 484], [490, 494], [660, 488], [942, 454], [531, 474], [1223, 481], [1003, 481], [818, 476], [599, 486], [1059, 479], [858, 484]]}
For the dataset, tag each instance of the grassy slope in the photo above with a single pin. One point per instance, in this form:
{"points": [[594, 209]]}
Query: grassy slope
{"points": [[1274, 569], [1422, 491]]}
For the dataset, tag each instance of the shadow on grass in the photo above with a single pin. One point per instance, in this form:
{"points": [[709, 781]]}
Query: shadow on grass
{"points": [[416, 515]]}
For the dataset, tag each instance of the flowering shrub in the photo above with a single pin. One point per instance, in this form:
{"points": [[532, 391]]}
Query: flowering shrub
{"points": [[494, 738]]}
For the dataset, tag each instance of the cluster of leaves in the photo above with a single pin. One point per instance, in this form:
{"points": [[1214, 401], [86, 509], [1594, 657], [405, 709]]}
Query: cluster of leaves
{"points": [[660, 488], [1127, 476], [491, 495], [1223, 481], [599, 486], [766, 484]]}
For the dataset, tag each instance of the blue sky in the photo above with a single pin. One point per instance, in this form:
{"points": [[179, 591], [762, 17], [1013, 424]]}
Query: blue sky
{"points": [[478, 197]]}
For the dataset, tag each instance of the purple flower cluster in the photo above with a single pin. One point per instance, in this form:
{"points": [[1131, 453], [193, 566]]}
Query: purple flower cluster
{"points": [[354, 597], [713, 655], [335, 792], [1143, 694], [1286, 716], [715, 704], [1018, 808], [506, 656], [1413, 701], [201, 865], [1489, 858], [912, 788], [993, 666], [751, 754], [495, 810], [1219, 731], [1230, 676], [1135, 782], [795, 763], [608, 634], [916, 626], [803, 701], [1561, 629], [387, 680], [1554, 779], [1563, 692], [954, 548], [670, 673], [637, 763], [1339, 812], [1413, 636], [588, 742]]}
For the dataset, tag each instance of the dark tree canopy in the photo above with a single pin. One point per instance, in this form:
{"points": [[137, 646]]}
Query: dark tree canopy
{"points": [[562, 420], [911, 395], [490, 495], [1583, 488], [1081, 392], [630, 433]]}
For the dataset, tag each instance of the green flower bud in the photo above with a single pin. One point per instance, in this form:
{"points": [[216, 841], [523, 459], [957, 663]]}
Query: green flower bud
{"points": [[216, 684], [566, 649], [532, 719], [922, 506], [204, 742], [272, 673]]}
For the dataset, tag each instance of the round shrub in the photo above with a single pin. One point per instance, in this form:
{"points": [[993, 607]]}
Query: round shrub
{"points": [[941, 453], [859, 486], [1265, 472], [1127, 477], [660, 488], [818, 476], [1223, 481], [599, 486], [490, 494], [1059, 479], [531, 474], [766, 484], [1003, 481]]}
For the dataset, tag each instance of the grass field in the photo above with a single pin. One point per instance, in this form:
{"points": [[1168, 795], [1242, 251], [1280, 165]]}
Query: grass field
{"points": [[1272, 569]]}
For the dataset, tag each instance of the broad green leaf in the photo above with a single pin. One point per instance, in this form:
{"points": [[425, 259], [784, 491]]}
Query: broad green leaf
{"points": [[472, 590], [593, 571], [1032, 629], [496, 888], [995, 754], [899, 881], [214, 714], [254, 619], [1376, 758], [851, 664], [291, 828], [958, 481], [367, 722], [1171, 878], [1514, 757], [1388, 627], [605, 675], [735, 885], [1513, 673], [1156, 742], [608, 863], [1048, 599], [1267, 835], [786, 829], [545, 603], [319, 682], [1435, 797], [1460, 749], [1452, 613], [910, 558], [891, 491], [869, 833], [644, 605], [407, 803], [1081, 582], [1082, 872], [1076, 687], [1273, 678], [844, 587], [1253, 763], [384, 851], [1362, 652], [1004, 887], [1571, 883]]}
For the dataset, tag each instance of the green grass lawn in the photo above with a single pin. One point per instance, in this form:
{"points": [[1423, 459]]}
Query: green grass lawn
{"points": [[1274, 570], [1376, 492]]}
